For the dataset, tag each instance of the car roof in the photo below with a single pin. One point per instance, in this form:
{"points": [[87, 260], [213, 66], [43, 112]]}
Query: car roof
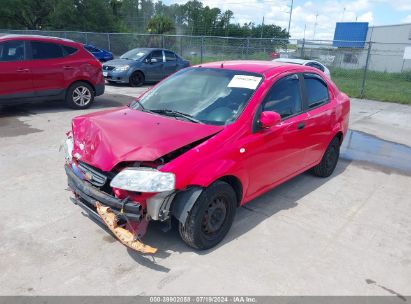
{"points": [[149, 49], [266, 68], [35, 37]]}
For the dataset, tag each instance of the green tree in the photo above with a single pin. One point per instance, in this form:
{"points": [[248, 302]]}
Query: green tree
{"points": [[160, 24], [26, 14]]}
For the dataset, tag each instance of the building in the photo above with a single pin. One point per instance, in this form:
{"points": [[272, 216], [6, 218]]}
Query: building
{"points": [[388, 45]]}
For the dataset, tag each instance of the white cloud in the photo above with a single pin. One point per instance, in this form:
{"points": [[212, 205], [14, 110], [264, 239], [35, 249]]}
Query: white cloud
{"points": [[366, 17], [304, 13], [407, 19]]}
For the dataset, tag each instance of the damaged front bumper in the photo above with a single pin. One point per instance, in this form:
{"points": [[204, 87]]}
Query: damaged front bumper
{"points": [[109, 210]]}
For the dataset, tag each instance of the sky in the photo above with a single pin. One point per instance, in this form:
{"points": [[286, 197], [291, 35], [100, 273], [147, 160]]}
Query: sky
{"points": [[306, 12]]}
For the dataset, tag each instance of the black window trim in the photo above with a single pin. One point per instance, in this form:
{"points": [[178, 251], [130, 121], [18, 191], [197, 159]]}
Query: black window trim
{"points": [[306, 108], [304, 100], [255, 125]]}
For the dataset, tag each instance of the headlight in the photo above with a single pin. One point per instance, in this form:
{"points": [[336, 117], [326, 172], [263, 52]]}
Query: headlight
{"points": [[122, 68], [68, 148], [144, 180]]}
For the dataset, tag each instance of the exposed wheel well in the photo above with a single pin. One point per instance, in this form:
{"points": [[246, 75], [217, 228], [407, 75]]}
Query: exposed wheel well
{"points": [[339, 135], [236, 184]]}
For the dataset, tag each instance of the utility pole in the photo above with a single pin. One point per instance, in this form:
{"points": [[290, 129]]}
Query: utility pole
{"points": [[291, 13], [315, 25], [262, 28]]}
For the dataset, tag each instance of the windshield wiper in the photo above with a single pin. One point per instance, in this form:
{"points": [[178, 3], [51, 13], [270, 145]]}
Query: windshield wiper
{"points": [[176, 114], [138, 102]]}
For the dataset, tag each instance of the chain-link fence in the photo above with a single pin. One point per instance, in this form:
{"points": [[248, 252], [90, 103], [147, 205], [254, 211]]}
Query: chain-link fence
{"points": [[368, 70]]}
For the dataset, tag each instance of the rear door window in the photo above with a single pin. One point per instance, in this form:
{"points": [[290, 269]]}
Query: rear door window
{"points": [[316, 90], [157, 55], [170, 56], [46, 50], [13, 50], [284, 97]]}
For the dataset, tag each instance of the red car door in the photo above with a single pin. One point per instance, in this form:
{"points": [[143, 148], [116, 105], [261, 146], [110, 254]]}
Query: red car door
{"points": [[48, 68], [15, 73], [320, 116], [277, 153]]}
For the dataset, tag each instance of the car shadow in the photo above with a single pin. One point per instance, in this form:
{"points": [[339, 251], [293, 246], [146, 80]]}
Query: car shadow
{"points": [[38, 107], [279, 199], [146, 84]]}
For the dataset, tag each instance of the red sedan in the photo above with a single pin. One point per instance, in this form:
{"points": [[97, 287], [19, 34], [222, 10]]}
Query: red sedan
{"points": [[201, 143]]}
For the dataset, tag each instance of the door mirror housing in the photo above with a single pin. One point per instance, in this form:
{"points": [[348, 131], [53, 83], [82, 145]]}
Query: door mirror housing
{"points": [[269, 119]]}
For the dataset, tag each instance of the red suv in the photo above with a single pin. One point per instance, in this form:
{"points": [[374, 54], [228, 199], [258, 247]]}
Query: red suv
{"points": [[47, 68]]}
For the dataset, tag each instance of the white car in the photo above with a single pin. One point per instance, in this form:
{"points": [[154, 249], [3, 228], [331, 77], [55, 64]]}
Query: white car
{"points": [[311, 63]]}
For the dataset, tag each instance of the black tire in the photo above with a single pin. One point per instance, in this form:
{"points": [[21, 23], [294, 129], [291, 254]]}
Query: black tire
{"points": [[330, 159], [210, 218], [136, 79], [80, 95]]}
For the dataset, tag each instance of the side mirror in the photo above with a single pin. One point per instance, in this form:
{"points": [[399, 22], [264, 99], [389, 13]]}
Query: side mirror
{"points": [[269, 119]]}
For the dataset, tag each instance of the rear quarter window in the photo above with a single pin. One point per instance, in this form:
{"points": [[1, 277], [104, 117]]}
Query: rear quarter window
{"points": [[68, 50]]}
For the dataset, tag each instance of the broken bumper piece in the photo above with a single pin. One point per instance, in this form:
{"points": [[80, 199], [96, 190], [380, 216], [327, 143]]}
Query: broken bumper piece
{"points": [[109, 210], [124, 236]]}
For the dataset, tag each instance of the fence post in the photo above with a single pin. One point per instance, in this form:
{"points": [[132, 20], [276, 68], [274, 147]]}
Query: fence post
{"points": [[302, 49], [248, 48], [86, 36], [202, 49], [162, 41], [181, 46], [108, 42], [365, 70]]}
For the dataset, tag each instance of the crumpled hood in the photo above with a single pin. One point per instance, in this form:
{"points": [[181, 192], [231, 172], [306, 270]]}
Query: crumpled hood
{"points": [[106, 138], [119, 62]]}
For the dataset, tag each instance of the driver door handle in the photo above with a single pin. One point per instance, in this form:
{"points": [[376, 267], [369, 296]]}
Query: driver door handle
{"points": [[301, 125]]}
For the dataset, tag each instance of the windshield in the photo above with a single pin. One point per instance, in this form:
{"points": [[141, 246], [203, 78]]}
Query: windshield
{"points": [[135, 54], [205, 95]]}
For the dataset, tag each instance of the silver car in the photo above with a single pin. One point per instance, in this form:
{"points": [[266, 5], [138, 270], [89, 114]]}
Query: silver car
{"points": [[311, 63], [141, 65]]}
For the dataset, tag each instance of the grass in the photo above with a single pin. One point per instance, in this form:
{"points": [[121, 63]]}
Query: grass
{"points": [[391, 87]]}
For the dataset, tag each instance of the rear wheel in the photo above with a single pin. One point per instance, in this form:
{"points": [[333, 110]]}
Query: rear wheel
{"points": [[80, 95], [210, 218], [136, 79], [329, 161]]}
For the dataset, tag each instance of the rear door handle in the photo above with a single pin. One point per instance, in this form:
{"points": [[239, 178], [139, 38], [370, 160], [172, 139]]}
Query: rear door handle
{"points": [[23, 70], [67, 67], [301, 125]]}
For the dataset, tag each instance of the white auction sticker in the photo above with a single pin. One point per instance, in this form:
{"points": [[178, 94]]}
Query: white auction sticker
{"points": [[244, 81]]}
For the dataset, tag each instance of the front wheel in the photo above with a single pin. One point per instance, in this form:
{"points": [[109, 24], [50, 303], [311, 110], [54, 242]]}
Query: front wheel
{"points": [[136, 79], [210, 218], [329, 161], [80, 95]]}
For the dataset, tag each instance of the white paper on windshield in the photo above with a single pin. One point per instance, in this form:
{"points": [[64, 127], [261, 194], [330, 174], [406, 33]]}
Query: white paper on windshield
{"points": [[244, 81], [140, 54]]}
